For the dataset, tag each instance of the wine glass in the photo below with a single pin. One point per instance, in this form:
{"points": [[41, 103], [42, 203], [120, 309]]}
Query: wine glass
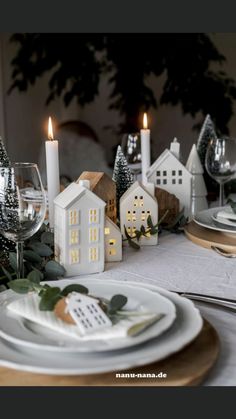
{"points": [[131, 147], [220, 161], [22, 205]]}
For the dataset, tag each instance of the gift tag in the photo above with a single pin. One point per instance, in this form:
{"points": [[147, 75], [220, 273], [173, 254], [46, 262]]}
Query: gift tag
{"points": [[86, 313]]}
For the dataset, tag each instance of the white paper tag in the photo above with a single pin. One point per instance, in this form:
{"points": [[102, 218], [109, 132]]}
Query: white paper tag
{"points": [[86, 313]]}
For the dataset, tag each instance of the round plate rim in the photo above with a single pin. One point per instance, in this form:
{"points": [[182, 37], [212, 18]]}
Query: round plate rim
{"points": [[126, 364], [73, 349], [210, 226]]}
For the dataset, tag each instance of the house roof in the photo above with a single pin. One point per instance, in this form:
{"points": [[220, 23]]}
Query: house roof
{"points": [[194, 164], [109, 221], [72, 193], [94, 178], [132, 188], [166, 155]]}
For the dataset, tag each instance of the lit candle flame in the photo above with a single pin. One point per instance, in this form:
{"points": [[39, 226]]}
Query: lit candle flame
{"points": [[145, 121], [50, 130]]}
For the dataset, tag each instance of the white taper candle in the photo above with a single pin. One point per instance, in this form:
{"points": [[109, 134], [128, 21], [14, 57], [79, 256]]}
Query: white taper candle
{"points": [[145, 149], [53, 176]]}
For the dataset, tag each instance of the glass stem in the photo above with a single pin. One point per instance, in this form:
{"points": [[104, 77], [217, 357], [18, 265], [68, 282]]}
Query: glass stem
{"points": [[19, 258], [221, 194]]}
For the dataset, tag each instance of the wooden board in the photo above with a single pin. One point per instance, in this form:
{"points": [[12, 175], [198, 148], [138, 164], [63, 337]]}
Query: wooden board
{"points": [[206, 237], [186, 368], [167, 201]]}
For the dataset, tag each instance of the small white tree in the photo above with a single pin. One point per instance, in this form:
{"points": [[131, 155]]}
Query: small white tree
{"points": [[199, 191], [122, 176], [207, 133]]}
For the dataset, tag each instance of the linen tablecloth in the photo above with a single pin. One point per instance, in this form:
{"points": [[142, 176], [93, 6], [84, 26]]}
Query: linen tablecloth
{"points": [[178, 264]]}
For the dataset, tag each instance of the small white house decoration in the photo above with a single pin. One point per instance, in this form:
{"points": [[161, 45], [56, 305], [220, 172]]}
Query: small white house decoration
{"points": [[79, 230], [199, 191], [168, 173], [113, 241], [136, 204]]}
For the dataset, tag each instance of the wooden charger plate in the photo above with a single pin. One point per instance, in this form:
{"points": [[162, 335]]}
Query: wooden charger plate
{"points": [[206, 237], [188, 367]]}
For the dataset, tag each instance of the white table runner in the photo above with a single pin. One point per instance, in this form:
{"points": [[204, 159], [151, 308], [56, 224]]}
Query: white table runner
{"points": [[178, 264]]}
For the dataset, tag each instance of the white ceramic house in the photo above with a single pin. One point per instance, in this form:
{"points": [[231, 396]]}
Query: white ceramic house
{"points": [[168, 173], [136, 204], [199, 191], [79, 230], [113, 241]]}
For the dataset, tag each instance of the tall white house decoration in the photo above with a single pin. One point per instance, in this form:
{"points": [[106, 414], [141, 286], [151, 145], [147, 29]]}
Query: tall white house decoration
{"points": [[168, 173], [113, 241], [136, 204], [79, 229], [199, 191]]}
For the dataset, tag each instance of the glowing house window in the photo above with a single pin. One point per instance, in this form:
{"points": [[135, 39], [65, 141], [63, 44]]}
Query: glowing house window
{"points": [[74, 237], [93, 254], [112, 242], [93, 215], [93, 234], [73, 217], [141, 201], [143, 216], [133, 231], [107, 231], [135, 201], [74, 256], [134, 216], [112, 252], [128, 216]]}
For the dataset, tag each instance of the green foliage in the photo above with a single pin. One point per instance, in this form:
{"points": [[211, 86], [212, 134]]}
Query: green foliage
{"points": [[127, 60], [116, 303], [39, 263], [74, 288], [144, 231], [177, 225]]}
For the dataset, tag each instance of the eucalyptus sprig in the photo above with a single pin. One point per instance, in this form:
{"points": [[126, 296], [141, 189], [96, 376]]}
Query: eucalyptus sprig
{"points": [[38, 260], [49, 296], [178, 224], [150, 229]]}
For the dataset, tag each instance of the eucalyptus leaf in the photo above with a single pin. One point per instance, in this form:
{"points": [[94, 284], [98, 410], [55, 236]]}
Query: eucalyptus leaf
{"points": [[6, 273], [34, 276], [142, 229], [149, 222], [31, 256], [41, 249], [134, 245], [13, 260], [21, 286], [49, 299], [48, 238], [126, 233], [76, 288], [116, 303], [54, 269]]}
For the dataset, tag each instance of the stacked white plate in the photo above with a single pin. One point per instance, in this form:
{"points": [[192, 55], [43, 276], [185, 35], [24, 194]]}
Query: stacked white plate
{"points": [[25, 345], [216, 219]]}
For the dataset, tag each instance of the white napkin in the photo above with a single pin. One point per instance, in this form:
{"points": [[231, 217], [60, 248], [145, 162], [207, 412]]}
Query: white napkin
{"points": [[227, 213], [28, 307]]}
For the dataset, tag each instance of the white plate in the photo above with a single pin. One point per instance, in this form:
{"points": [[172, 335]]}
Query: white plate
{"points": [[21, 331], [223, 221], [205, 219], [187, 326]]}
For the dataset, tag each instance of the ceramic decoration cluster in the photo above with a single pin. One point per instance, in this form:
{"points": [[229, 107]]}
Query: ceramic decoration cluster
{"points": [[86, 230]]}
